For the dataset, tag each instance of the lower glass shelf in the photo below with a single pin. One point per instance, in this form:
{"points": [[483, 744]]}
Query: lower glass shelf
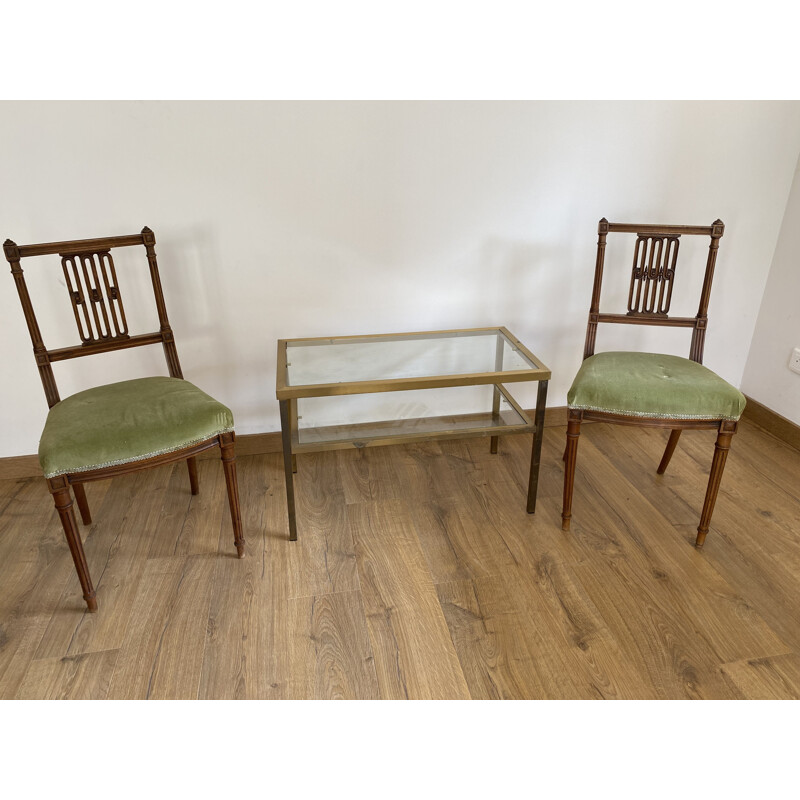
{"points": [[365, 434]]}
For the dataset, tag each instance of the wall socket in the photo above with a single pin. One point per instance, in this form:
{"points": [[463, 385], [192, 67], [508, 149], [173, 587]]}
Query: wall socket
{"points": [[794, 360]]}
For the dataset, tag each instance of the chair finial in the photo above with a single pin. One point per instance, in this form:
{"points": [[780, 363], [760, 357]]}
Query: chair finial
{"points": [[11, 250]]}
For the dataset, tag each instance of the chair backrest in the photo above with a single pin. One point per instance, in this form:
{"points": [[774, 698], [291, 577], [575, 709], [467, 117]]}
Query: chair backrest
{"points": [[655, 257], [91, 280]]}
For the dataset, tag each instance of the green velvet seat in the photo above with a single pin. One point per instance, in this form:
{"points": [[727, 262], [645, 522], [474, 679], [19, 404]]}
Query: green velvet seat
{"points": [[653, 385], [128, 421]]}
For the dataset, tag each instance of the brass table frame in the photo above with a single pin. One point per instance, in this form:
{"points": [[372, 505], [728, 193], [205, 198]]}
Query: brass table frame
{"points": [[288, 396]]}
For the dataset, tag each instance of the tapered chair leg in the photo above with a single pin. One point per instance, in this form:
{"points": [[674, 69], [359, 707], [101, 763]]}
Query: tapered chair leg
{"points": [[570, 458], [670, 449], [59, 488], [191, 463], [83, 503], [721, 448], [229, 465]]}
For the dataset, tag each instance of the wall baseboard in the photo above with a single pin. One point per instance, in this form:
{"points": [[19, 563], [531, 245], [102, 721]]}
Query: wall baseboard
{"points": [[772, 422], [249, 444]]}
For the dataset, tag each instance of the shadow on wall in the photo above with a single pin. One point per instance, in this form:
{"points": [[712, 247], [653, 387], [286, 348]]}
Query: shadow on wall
{"points": [[191, 268], [522, 285]]}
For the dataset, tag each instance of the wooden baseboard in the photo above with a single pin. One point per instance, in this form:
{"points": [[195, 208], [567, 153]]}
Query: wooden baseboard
{"points": [[773, 423], [249, 444], [16, 467]]}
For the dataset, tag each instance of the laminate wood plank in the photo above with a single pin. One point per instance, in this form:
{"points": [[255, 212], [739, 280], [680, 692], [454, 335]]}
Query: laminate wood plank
{"points": [[682, 575], [116, 548], [652, 635], [322, 560], [458, 546], [371, 476], [31, 536], [507, 626], [162, 655], [754, 462], [331, 655], [9, 489], [669, 611], [498, 502], [579, 628], [424, 559], [83, 677], [768, 478], [200, 532], [515, 454], [414, 655], [756, 519], [771, 678], [165, 538], [433, 470], [247, 647], [745, 555], [353, 468], [498, 651], [28, 542], [35, 565]]}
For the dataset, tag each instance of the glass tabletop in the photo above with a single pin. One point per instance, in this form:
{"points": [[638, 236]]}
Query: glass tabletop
{"points": [[404, 358]]}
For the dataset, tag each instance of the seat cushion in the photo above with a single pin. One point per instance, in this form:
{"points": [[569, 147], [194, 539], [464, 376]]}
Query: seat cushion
{"points": [[653, 385], [128, 421]]}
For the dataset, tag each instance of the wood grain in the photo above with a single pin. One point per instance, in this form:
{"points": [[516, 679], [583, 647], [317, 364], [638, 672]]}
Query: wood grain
{"points": [[418, 574], [414, 655], [772, 678], [83, 677], [162, 655], [329, 635]]}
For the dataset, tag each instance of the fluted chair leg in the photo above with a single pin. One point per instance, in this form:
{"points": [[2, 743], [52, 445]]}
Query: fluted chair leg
{"points": [[83, 503], [670, 449], [570, 459], [194, 483], [721, 448], [229, 465], [62, 498]]}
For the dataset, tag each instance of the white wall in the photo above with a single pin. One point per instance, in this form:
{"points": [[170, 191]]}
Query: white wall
{"points": [[767, 377], [293, 219]]}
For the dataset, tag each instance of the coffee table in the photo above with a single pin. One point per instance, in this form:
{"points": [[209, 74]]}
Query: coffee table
{"points": [[320, 370]]}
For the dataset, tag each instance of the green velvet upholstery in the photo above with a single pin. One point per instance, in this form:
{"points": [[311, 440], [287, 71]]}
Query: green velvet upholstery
{"points": [[128, 421], [653, 385]]}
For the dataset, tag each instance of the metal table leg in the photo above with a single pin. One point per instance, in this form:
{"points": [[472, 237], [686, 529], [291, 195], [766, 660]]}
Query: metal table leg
{"points": [[536, 452], [286, 438]]}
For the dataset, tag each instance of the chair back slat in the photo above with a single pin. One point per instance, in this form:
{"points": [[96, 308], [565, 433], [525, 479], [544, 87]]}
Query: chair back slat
{"points": [[92, 284], [655, 259], [91, 280]]}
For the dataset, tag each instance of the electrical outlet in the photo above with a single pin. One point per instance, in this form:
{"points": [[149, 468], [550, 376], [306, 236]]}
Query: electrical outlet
{"points": [[794, 360]]}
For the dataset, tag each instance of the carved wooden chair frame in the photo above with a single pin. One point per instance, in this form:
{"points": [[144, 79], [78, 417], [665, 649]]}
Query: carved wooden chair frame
{"points": [[91, 279], [649, 297]]}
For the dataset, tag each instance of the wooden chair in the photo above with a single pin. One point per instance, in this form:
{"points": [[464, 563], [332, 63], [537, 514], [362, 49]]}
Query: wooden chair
{"points": [[651, 389], [122, 427]]}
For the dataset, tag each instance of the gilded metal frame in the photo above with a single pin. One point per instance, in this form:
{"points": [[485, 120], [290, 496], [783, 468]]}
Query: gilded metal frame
{"points": [[288, 396]]}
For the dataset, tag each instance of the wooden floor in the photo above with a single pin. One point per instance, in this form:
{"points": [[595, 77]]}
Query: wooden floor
{"points": [[418, 574]]}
